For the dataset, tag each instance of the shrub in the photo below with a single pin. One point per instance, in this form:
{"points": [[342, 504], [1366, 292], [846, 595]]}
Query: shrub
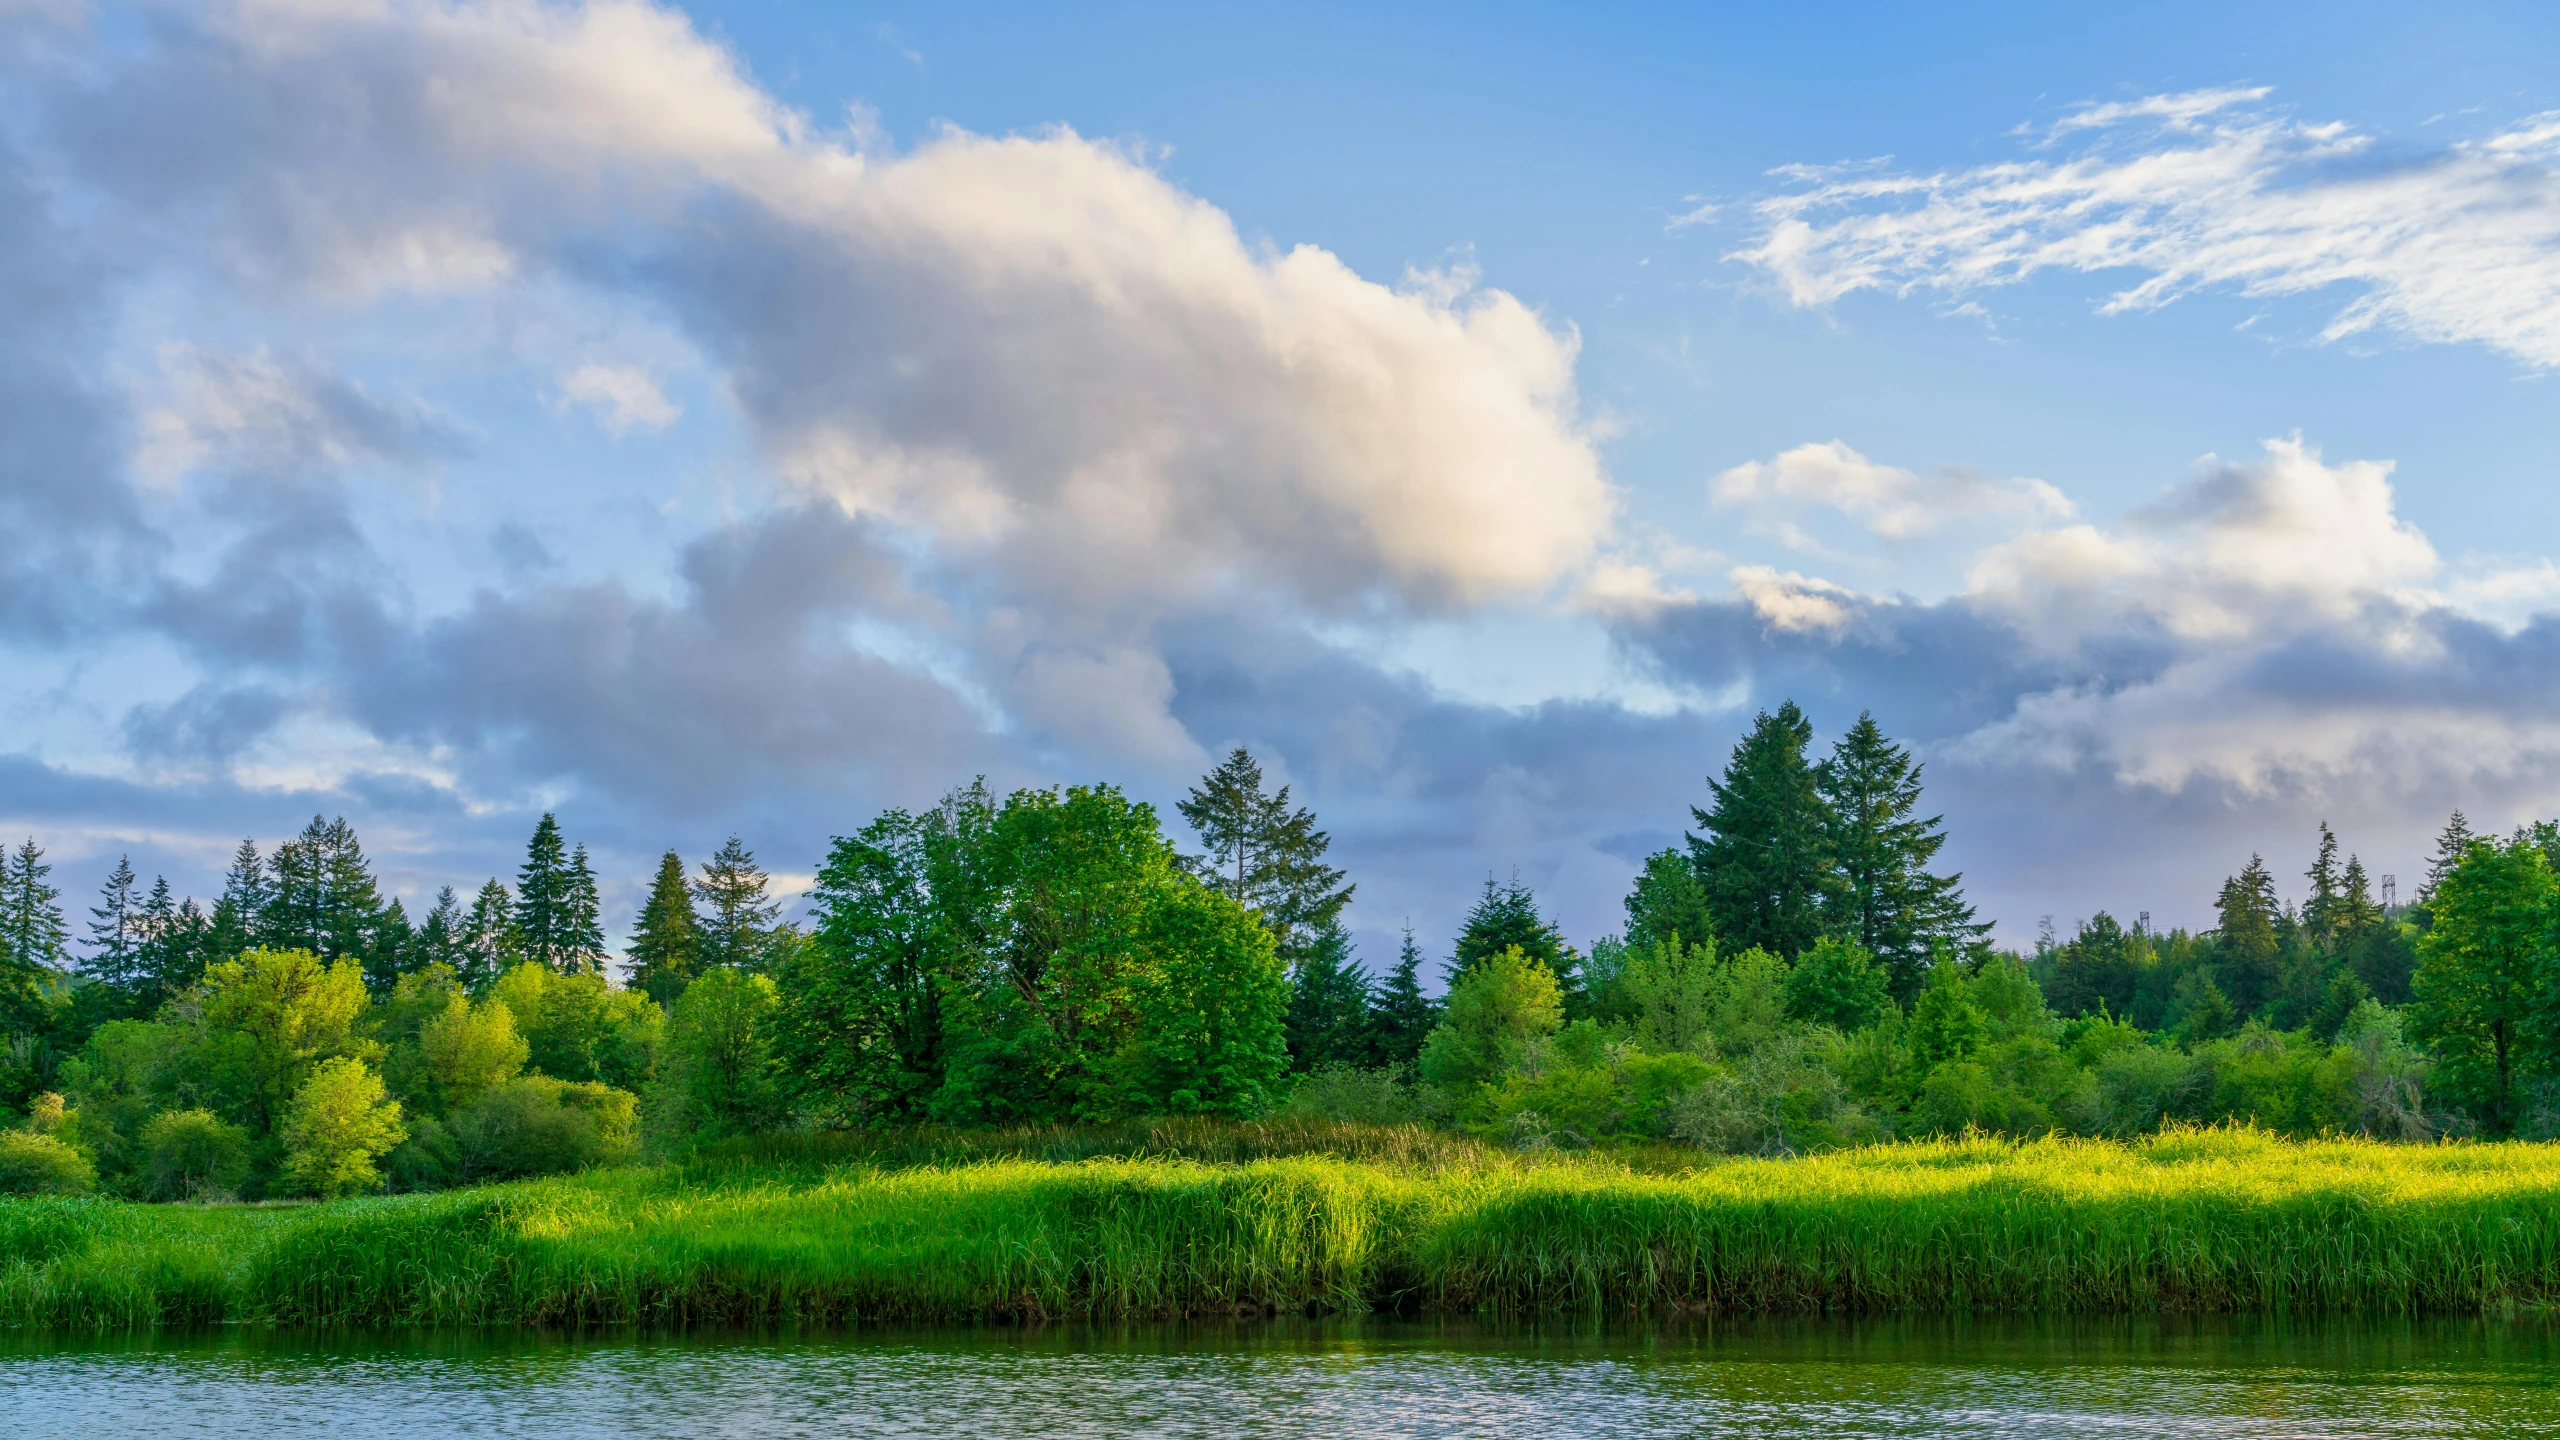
{"points": [[193, 1155], [1361, 1097], [32, 1164], [1494, 1012], [535, 1125], [430, 1159], [339, 1123]]}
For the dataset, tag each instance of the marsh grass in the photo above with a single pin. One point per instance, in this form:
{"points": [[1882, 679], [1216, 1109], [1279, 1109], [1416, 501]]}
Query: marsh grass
{"points": [[1197, 1218]]}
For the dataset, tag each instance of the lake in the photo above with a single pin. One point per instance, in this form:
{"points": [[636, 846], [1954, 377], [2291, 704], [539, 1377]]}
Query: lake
{"points": [[1300, 1378]]}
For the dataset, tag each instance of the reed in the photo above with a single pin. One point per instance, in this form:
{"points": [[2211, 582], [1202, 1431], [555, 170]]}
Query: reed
{"points": [[1190, 1219]]}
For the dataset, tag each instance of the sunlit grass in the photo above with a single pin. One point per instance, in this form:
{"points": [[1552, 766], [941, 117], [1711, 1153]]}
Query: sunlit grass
{"points": [[1202, 1218]]}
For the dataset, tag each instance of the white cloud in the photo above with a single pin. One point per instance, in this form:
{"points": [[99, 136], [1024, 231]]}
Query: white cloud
{"points": [[260, 413], [624, 397], [2208, 190], [1892, 503]]}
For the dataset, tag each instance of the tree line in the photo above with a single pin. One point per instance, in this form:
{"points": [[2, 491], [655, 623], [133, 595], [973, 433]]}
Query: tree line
{"points": [[1795, 974]]}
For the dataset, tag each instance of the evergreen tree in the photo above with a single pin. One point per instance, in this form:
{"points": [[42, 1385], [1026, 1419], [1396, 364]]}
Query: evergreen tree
{"points": [[736, 920], [388, 950], [1765, 854], [2246, 943], [2355, 910], [1264, 855], [439, 939], [487, 940], [2483, 964], [1328, 1020], [666, 942], [115, 930], [543, 900], [2320, 912], [1506, 917], [2450, 845], [1401, 1017], [30, 915], [1667, 903], [323, 897], [239, 913], [1889, 902], [581, 918]]}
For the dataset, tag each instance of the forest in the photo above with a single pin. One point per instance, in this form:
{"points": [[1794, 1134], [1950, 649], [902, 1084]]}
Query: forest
{"points": [[1798, 977]]}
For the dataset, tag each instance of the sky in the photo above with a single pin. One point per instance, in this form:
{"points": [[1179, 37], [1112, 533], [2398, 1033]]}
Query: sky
{"points": [[742, 418]]}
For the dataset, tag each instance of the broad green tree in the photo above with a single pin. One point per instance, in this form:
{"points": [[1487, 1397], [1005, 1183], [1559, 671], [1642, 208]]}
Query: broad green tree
{"points": [[340, 1122], [1837, 983], [1764, 851], [720, 1054], [1495, 1011], [1206, 1010], [274, 1015], [1671, 984], [2480, 965], [469, 1049]]}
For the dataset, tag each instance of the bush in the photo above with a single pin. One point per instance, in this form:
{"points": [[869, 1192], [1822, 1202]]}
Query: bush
{"points": [[32, 1164], [430, 1159], [193, 1155], [340, 1122], [535, 1125], [1355, 1096]]}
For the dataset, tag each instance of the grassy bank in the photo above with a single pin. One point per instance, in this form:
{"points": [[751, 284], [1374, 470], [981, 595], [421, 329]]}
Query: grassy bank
{"points": [[1203, 1218]]}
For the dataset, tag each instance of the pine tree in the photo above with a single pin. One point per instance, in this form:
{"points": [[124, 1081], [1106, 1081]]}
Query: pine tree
{"points": [[1264, 855], [581, 918], [736, 918], [186, 950], [1400, 1015], [2320, 910], [487, 943], [1506, 916], [2450, 845], [30, 915], [387, 950], [239, 913], [2246, 944], [322, 897], [162, 941], [439, 939], [666, 942], [1889, 902], [543, 900], [115, 930], [2355, 909], [1328, 1020], [1765, 857]]}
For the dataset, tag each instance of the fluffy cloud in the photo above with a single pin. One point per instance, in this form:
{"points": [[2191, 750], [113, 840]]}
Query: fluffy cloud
{"points": [[624, 397], [1891, 503], [2204, 190]]}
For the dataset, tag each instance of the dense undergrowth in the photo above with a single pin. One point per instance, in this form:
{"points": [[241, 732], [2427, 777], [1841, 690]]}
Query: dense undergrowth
{"points": [[1188, 1218]]}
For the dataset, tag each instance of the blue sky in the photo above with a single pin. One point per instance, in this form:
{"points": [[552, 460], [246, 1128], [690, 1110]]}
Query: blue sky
{"points": [[742, 417]]}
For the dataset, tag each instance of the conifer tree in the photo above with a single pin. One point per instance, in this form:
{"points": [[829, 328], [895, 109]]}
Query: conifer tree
{"points": [[1401, 1017], [666, 942], [486, 942], [2320, 909], [2451, 842], [1328, 1020], [543, 901], [115, 930], [1889, 902], [581, 918], [1264, 855], [439, 940], [388, 950], [1506, 917], [736, 919], [322, 896], [30, 913], [2246, 943], [1765, 854]]}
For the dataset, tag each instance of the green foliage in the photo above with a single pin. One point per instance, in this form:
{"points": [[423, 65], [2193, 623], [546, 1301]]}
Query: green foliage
{"points": [[1668, 903], [1784, 1097], [1348, 1094], [1837, 983], [340, 1122], [536, 1125], [1265, 856], [1765, 855], [1671, 988], [580, 1026], [1328, 1020], [735, 926], [2246, 941], [1401, 1017], [720, 1077], [268, 1020], [2484, 956], [1946, 1023], [193, 1155], [469, 1049], [1888, 902], [557, 915], [32, 1164], [32, 934], [1505, 918], [1495, 1011]]}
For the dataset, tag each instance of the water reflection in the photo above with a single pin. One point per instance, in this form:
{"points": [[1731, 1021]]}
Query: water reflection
{"points": [[2155, 1379]]}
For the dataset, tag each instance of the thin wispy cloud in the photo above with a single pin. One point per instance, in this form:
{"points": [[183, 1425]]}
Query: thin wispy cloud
{"points": [[2208, 190]]}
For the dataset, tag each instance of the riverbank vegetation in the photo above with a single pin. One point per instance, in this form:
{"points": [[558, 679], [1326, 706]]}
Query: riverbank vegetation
{"points": [[1798, 979], [1201, 1217]]}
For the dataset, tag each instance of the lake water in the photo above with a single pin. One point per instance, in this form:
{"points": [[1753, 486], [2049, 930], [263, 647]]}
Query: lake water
{"points": [[1285, 1378]]}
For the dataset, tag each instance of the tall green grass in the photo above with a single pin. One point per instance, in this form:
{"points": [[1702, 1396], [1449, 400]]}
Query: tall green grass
{"points": [[1173, 1219]]}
